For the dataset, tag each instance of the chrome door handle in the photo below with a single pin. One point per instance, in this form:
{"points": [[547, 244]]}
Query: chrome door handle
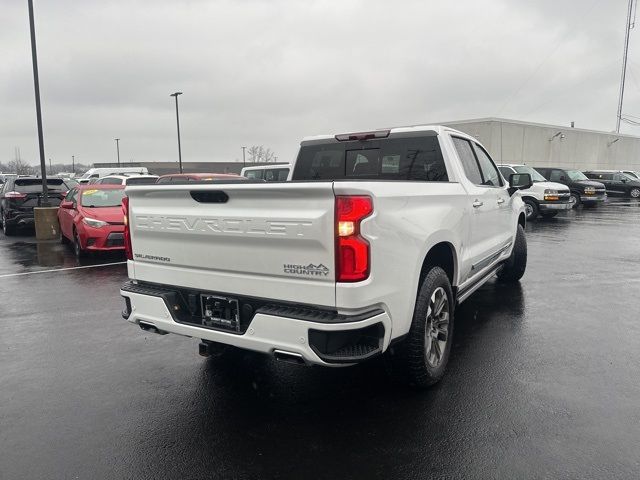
{"points": [[500, 201], [477, 204]]}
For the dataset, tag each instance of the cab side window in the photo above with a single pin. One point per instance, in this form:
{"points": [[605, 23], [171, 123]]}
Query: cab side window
{"points": [[557, 176], [490, 175], [71, 196], [468, 160]]}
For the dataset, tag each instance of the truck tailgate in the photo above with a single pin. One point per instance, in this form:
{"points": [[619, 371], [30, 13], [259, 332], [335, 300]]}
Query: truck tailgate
{"points": [[272, 241]]}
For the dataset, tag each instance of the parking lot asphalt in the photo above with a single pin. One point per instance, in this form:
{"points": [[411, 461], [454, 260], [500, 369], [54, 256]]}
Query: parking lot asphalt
{"points": [[543, 380]]}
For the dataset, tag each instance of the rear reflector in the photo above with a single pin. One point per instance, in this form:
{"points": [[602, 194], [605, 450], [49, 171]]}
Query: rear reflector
{"points": [[346, 137], [127, 235], [352, 250]]}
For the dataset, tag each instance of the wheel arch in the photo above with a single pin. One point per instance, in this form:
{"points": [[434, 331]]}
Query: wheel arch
{"points": [[443, 255]]}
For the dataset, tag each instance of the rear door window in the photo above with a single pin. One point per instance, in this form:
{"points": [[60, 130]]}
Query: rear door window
{"points": [[410, 158]]}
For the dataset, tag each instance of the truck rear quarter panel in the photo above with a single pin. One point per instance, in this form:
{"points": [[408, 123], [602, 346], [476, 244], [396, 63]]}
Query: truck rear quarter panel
{"points": [[409, 219]]}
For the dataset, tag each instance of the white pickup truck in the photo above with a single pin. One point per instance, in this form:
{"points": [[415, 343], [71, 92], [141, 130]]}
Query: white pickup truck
{"points": [[367, 250]]}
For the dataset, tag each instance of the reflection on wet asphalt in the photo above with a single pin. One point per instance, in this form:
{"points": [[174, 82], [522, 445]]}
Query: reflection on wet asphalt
{"points": [[543, 380]]}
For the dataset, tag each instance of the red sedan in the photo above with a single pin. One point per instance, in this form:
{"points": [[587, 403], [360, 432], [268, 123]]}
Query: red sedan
{"points": [[91, 218]]}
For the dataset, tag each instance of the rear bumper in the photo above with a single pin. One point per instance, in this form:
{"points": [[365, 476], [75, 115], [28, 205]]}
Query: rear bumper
{"points": [[271, 330], [16, 217]]}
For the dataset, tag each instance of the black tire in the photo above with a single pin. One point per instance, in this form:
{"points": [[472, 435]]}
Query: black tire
{"points": [[413, 359], [7, 229], [634, 192], [575, 200], [77, 247], [549, 214], [531, 209], [514, 268]]}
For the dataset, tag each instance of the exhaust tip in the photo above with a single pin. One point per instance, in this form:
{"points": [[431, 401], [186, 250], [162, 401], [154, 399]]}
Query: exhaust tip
{"points": [[150, 327], [289, 357]]}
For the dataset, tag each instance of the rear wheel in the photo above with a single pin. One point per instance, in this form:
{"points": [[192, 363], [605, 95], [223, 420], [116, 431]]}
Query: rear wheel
{"points": [[635, 192], [574, 200], [514, 268], [423, 356], [531, 209], [7, 229]]}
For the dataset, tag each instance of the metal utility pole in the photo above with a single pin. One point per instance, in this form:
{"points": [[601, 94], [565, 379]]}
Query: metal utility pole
{"points": [[629, 26], [36, 86], [175, 95], [73, 164], [118, 149], [244, 162], [50, 168]]}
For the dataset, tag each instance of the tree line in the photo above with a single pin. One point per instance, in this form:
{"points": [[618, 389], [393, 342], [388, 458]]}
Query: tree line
{"points": [[19, 166]]}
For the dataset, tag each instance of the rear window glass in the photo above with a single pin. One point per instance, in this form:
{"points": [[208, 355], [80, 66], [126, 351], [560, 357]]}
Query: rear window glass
{"points": [[254, 174], [276, 174], [141, 180], [32, 185], [93, 198], [411, 158]]}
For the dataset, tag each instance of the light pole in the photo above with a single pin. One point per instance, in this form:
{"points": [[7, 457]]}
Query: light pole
{"points": [[175, 95], [36, 86], [73, 164], [118, 149], [244, 163]]}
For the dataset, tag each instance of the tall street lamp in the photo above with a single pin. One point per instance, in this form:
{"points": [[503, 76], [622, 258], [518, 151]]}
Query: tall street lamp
{"points": [[175, 95], [244, 163], [36, 86], [118, 149], [73, 164]]}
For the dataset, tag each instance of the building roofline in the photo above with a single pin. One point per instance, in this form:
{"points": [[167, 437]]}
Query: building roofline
{"points": [[535, 124]]}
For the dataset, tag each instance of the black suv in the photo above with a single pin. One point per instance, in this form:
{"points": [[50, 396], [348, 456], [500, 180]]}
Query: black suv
{"points": [[582, 189], [616, 182], [19, 195]]}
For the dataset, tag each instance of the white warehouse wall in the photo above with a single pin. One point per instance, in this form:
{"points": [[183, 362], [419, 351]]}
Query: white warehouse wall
{"points": [[511, 141]]}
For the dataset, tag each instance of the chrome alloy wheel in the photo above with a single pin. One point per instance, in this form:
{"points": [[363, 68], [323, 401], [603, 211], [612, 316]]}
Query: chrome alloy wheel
{"points": [[528, 209], [436, 332]]}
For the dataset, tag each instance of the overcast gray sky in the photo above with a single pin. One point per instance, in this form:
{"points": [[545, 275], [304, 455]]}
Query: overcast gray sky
{"points": [[270, 72]]}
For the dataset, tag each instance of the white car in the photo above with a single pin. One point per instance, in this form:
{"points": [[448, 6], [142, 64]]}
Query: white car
{"points": [[366, 251], [127, 180], [543, 198], [269, 173], [95, 173]]}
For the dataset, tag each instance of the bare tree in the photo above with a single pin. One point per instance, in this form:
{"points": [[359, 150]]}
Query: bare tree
{"points": [[258, 153], [19, 166]]}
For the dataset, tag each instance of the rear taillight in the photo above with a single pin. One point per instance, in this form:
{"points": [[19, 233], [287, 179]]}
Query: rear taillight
{"points": [[15, 195], [127, 236], [352, 250]]}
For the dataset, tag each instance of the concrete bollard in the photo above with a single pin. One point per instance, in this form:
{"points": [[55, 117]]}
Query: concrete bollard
{"points": [[46, 220]]}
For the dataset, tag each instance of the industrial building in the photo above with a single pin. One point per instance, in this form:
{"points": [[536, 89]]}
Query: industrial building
{"points": [[508, 141], [535, 144]]}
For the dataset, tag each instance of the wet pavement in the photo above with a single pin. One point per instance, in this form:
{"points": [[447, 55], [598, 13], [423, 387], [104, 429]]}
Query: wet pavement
{"points": [[543, 380]]}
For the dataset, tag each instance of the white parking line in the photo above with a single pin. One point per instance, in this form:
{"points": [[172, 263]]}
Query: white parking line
{"points": [[61, 269]]}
